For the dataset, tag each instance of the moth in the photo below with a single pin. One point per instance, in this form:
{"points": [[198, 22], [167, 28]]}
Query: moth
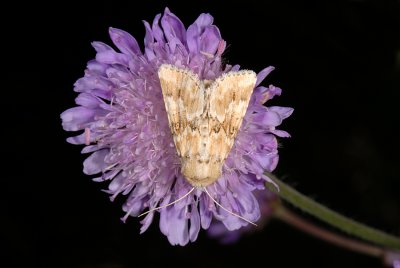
{"points": [[204, 117]]}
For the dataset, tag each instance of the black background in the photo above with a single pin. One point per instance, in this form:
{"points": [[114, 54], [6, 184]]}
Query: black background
{"points": [[338, 64]]}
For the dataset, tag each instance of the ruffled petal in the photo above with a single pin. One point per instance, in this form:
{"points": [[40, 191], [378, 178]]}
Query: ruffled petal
{"points": [[125, 42], [146, 222], [149, 37], [77, 118], [95, 162], [80, 139], [205, 212], [112, 57], [284, 112], [87, 100], [193, 36], [157, 31], [101, 47], [261, 75], [174, 226], [173, 27], [268, 118], [210, 39], [204, 20], [194, 223]]}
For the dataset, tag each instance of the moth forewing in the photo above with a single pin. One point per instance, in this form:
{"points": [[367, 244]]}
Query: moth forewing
{"points": [[229, 99], [204, 118]]}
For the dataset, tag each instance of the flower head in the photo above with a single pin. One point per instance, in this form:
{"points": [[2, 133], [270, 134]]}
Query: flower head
{"points": [[122, 112]]}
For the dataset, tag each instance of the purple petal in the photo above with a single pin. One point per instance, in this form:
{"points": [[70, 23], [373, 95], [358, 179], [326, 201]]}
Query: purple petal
{"points": [[173, 27], [146, 222], [193, 36], [125, 42], [268, 118], [101, 47], [268, 162], [194, 223], [205, 213], [148, 38], [97, 68], [195, 30], [268, 179], [116, 183], [80, 139], [95, 162], [204, 20], [280, 133], [175, 225], [87, 100], [273, 90], [150, 54], [76, 118], [119, 74], [88, 83], [284, 112], [157, 31], [261, 75], [210, 39], [231, 222], [91, 148], [112, 57]]}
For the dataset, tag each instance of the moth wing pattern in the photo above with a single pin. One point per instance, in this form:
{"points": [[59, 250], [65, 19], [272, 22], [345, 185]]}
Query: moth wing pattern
{"points": [[184, 100], [229, 98], [204, 118]]}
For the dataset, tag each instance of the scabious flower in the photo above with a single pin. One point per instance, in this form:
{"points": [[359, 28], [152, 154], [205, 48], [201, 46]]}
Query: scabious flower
{"points": [[122, 112]]}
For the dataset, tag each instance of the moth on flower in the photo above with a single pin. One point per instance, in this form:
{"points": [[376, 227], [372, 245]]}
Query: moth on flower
{"points": [[204, 118], [146, 115]]}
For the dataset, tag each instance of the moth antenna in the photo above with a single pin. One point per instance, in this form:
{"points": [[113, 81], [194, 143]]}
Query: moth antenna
{"points": [[167, 205], [227, 210]]}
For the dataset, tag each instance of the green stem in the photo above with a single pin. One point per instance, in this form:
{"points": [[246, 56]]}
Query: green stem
{"points": [[296, 221], [333, 218]]}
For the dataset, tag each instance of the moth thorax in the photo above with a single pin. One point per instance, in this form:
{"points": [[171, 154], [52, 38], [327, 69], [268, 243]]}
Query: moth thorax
{"points": [[201, 173]]}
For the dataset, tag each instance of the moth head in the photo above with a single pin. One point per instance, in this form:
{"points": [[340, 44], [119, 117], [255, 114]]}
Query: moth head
{"points": [[201, 173]]}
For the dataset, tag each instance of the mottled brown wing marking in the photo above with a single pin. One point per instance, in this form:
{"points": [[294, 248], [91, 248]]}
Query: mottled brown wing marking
{"points": [[184, 102], [204, 118], [229, 97]]}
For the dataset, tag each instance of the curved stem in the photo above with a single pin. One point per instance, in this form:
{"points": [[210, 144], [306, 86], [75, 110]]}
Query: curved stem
{"points": [[291, 218], [333, 218]]}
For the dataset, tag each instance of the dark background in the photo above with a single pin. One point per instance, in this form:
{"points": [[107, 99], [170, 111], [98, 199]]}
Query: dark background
{"points": [[338, 64]]}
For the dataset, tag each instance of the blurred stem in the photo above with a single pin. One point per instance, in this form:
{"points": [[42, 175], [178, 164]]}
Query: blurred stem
{"points": [[333, 218], [290, 218]]}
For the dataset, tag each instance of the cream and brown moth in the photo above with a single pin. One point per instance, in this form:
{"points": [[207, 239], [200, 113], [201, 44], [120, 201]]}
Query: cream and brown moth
{"points": [[204, 117]]}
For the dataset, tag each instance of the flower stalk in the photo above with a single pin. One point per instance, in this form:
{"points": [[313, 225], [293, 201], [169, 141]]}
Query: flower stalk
{"points": [[333, 218], [291, 218]]}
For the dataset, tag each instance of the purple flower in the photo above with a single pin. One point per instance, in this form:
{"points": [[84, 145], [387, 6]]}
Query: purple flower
{"points": [[121, 110]]}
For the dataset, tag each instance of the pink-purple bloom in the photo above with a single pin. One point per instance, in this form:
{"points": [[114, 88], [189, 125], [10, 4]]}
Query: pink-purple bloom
{"points": [[122, 113]]}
